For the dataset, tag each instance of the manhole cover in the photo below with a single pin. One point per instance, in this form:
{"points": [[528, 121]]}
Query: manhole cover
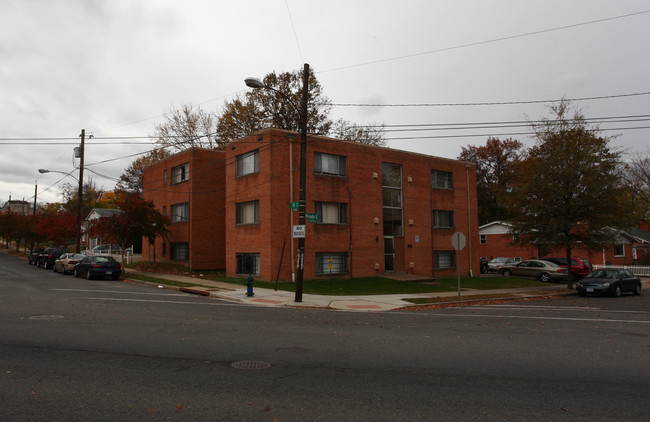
{"points": [[46, 317], [251, 364]]}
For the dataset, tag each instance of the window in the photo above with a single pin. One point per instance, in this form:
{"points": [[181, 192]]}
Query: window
{"points": [[391, 178], [180, 212], [332, 212], [445, 259], [442, 179], [443, 219], [164, 251], [165, 177], [180, 173], [247, 163], [334, 165], [331, 263], [165, 210], [179, 251], [248, 263], [483, 239], [248, 212], [619, 249]]}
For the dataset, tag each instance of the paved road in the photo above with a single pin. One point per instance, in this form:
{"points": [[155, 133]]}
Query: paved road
{"points": [[73, 349]]}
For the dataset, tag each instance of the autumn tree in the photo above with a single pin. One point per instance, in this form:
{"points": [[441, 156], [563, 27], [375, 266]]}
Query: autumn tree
{"points": [[91, 195], [138, 218], [132, 180], [261, 108], [637, 177], [495, 169], [569, 186], [187, 127]]}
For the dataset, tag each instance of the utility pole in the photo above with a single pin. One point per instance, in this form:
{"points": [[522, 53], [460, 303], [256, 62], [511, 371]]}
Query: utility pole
{"points": [[35, 193], [303, 181], [80, 194]]}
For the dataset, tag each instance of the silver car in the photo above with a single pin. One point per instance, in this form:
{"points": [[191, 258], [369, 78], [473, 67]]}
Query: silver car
{"points": [[496, 264], [543, 270]]}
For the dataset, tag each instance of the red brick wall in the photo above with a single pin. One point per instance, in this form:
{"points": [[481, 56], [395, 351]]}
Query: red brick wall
{"points": [[362, 238], [205, 191]]}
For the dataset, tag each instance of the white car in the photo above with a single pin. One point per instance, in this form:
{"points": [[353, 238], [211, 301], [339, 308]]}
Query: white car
{"points": [[496, 264]]}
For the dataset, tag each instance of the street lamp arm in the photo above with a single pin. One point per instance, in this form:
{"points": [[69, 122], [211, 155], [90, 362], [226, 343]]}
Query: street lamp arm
{"points": [[256, 84], [42, 171]]}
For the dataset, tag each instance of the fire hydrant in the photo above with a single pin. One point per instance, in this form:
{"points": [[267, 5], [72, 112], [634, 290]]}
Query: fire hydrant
{"points": [[249, 286]]}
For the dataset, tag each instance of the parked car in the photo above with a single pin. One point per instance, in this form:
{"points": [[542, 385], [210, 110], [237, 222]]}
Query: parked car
{"points": [[106, 249], [543, 270], [609, 281], [48, 256], [496, 263], [32, 259], [98, 266], [66, 262], [580, 267], [484, 266]]}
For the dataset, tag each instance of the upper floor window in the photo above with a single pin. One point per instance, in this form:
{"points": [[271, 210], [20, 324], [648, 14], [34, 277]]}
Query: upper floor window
{"points": [[483, 239], [248, 212], [180, 212], [247, 163], [332, 212], [181, 173], [443, 219], [442, 179], [330, 164], [165, 176]]}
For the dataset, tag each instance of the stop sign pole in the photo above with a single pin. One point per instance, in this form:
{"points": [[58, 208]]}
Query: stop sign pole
{"points": [[458, 242]]}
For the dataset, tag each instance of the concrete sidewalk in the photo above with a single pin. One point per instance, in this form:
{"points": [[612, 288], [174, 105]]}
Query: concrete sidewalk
{"points": [[269, 297]]}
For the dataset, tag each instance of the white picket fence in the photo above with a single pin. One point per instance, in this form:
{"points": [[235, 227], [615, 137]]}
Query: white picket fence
{"points": [[637, 270]]}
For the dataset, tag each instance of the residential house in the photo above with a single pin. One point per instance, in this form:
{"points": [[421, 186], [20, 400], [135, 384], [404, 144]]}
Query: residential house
{"points": [[627, 247], [188, 187], [95, 214], [16, 207]]}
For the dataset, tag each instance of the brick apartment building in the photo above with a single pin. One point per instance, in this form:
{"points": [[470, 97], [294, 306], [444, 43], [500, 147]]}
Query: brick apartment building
{"points": [[379, 209], [627, 247], [189, 188]]}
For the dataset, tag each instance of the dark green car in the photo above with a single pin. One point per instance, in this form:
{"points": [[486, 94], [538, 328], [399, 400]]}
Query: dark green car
{"points": [[609, 282]]}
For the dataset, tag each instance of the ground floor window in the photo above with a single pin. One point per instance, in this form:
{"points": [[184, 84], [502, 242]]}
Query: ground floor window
{"points": [[179, 251], [248, 263], [331, 263], [445, 259], [619, 249]]}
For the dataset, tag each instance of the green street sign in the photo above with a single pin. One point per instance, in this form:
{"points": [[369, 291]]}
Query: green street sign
{"points": [[294, 205], [311, 217]]}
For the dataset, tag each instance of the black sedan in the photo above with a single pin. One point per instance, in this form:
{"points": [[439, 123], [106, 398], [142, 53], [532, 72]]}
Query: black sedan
{"points": [[98, 266], [609, 281]]}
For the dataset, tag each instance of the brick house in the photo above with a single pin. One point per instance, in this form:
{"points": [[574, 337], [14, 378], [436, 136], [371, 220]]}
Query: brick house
{"points": [[627, 246], [189, 188], [379, 210]]}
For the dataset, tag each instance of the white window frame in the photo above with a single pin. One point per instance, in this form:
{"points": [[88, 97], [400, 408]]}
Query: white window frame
{"points": [[330, 164], [247, 213], [179, 213], [448, 215], [622, 246], [247, 163], [180, 173], [332, 212]]}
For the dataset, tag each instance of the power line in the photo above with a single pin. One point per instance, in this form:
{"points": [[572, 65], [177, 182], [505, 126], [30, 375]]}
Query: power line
{"points": [[602, 97], [494, 40]]}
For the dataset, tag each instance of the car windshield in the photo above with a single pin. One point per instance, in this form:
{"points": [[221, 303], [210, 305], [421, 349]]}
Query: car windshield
{"points": [[103, 259], [603, 274]]}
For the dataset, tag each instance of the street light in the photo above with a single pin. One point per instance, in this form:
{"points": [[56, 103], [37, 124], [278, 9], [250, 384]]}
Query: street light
{"points": [[302, 112]]}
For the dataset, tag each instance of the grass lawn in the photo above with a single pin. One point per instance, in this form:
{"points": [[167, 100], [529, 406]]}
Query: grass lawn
{"points": [[349, 286]]}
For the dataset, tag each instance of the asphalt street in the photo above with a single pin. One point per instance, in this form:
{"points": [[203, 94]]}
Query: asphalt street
{"points": [[73, 349]]}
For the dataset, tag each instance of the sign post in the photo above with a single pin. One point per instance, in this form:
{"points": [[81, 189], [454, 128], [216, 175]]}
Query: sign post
{"points": [[458, 242]]}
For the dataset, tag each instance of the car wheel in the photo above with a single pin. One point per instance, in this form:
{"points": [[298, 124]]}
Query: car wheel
{"points": [[545, 277], [76, 274], [637, 290], [507, 273], [45, 265], [617, 291], [88, 276]]}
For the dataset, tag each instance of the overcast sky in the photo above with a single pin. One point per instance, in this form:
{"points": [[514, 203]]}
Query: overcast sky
{"points": [[112, 67]]}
